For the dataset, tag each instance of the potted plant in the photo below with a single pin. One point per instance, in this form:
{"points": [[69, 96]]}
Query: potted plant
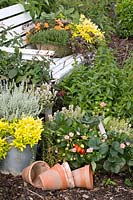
{"points": [[20, 127], [18, 140], [53, 35]]}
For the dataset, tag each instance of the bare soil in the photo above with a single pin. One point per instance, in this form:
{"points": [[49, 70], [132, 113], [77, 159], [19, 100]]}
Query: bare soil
{"points": [[14, 188]]}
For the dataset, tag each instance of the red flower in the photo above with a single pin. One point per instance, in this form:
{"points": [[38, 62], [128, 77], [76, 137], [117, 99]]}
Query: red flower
{"points": [[82, 151]]}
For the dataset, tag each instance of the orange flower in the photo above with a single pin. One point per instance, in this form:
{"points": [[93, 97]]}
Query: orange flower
{"points": [[59, 22], [46, 25], [58, 27], [28, 33], [38, 26], [67, 28]]}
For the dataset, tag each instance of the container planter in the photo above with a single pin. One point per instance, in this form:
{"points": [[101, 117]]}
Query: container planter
{"points": [[16, 160], [60, 51], [31, 173]]}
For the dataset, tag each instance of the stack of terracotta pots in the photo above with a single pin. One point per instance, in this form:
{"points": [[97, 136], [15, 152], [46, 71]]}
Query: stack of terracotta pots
{"points": [[40, 175]]}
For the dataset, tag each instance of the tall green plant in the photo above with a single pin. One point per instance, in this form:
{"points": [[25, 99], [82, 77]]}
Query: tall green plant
{"points": [[99, 88]]}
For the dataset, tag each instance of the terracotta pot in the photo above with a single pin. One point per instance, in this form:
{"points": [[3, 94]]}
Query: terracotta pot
{"points": [[70, 180], [83, 177], [57, 178], [31, 173]]}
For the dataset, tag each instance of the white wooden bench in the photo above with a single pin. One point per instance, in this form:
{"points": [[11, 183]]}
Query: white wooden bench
{"points": [[18, 22]]}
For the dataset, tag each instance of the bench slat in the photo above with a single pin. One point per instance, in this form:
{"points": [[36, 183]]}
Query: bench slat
{"points": [[15, 21], [18, 31], [33, 52], [66, 69], [11, 10]]}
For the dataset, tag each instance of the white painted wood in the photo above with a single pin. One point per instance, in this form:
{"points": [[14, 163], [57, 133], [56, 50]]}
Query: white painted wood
{"points": [[15, 21], [20, 30], [29, 51], [11, 10], [59, 74], [19, 25]]}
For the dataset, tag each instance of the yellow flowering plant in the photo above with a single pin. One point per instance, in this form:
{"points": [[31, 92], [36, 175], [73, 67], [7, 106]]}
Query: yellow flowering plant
{"points": [[86, 36], [19, 134]]}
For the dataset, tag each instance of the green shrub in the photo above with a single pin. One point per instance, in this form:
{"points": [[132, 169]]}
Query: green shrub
{"points": [[103, 82], [124, 18], [96, 10]]}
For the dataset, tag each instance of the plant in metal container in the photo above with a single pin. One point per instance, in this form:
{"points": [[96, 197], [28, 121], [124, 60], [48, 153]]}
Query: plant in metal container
{"points": [[20, 127]]}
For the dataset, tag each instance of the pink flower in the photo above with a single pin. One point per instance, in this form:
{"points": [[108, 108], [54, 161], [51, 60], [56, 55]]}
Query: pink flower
{"points": [[73, 150], [102, 104], [122, 145], [127, 143], [89, 150]]}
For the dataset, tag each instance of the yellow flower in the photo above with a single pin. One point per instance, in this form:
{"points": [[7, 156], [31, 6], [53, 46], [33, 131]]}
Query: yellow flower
{"points": [[87, 30], [3, 126]]}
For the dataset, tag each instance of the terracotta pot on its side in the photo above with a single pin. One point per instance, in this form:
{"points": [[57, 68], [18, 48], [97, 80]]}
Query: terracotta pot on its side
{"points": [[57, 177], [83, 177], [31, 173]]}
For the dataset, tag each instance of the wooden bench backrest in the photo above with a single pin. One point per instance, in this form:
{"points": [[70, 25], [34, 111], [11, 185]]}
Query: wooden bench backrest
{"points": [[17, 20]]}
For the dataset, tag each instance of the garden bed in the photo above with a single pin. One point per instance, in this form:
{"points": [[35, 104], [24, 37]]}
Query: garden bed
{"points": [[13, 188], [106, 186]]}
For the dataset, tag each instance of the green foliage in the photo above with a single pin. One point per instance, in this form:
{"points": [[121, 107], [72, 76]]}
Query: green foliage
{"points": [[128, 182], [124, 18], [103, 81], [12, 67], [53, 36], [17, 101], [35, 7], [96, 10], [75, 138], [5, 3], [109, 182]]}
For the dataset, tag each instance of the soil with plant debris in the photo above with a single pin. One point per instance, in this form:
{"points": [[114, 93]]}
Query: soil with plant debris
{"points": [[105, 188]]}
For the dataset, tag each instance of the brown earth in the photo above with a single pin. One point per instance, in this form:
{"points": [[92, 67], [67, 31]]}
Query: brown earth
{"points": [[14, 188]]}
